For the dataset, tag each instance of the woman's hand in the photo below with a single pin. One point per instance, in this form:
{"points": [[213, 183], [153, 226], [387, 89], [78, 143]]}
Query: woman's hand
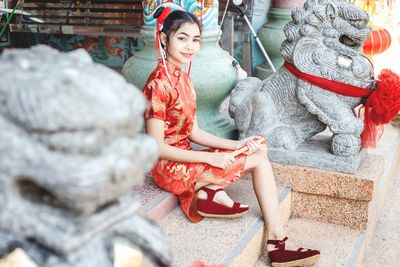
{"points": [[220, 160], [252, 144]]}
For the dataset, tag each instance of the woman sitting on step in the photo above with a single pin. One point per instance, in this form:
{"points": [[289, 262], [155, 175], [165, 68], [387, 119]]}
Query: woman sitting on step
{"points": [[198, 178]]}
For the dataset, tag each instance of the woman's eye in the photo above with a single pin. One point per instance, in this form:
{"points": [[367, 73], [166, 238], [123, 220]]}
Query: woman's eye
{"points": [[196, 40], [181, 38]]}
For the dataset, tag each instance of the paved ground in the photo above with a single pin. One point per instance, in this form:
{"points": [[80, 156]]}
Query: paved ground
{"points": [[384, 249]]}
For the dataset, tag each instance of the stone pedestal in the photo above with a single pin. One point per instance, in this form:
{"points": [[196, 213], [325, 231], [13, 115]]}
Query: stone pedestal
{"points": [[333, 197], [351, 200], [212, 73], [316, 154]]}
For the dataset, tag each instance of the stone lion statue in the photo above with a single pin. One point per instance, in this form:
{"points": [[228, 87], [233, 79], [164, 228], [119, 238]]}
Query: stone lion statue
{"points": [[71, 151], [323, 39]]}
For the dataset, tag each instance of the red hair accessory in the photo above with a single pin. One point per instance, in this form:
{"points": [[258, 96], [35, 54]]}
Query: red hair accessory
{"points": [[160, 20], [161, 14], [164, 14]]}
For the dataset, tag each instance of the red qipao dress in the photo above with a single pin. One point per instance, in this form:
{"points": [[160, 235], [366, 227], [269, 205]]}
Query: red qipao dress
{"points": [[174, 102]]}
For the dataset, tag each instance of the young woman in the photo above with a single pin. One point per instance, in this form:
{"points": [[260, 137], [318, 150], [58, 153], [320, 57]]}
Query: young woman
{"points": [[198, 178]]}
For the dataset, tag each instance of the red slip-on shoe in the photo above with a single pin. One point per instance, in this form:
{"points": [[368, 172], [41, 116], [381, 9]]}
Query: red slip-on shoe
{"points": [[288, 258], [209, 208]]}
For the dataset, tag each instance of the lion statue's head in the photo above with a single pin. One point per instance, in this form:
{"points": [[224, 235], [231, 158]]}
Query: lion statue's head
{"points": [[325, 38]]}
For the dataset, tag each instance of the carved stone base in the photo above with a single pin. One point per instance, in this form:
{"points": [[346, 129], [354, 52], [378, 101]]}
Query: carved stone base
{"points": [[317, 154], [351, 200], [333, 197]]}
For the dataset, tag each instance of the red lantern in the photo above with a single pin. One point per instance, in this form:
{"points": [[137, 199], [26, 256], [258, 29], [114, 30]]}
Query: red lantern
{"points": [[378, 41]]}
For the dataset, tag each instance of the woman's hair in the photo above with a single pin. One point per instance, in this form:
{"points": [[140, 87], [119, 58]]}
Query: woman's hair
{"points": [[175, 20]]}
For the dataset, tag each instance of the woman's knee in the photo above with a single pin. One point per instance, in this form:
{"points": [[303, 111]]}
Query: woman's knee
{"points": [[262, 156], [258, 159]]}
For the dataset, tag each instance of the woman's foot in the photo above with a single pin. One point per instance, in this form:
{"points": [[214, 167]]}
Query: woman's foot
{"points": [[212, 201], [220, 197], [282, 257]]}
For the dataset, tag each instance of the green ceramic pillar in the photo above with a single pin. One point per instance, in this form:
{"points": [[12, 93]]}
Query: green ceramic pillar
{"points": [[212, 72], [138, 67], [271, 34], [213, 77]]}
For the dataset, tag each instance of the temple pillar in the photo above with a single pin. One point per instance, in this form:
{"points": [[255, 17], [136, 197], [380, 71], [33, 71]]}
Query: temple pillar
{"points": [[271, 34]]}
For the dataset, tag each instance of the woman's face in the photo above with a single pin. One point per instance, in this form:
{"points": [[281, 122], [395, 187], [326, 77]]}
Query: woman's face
{"points": [[183, 44]]}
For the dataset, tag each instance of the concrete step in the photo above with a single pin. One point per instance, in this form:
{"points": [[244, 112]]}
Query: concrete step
{"points": [[338, 244], [238, 242], [231, 242], [156, 203], [390, 149], [384, 246], [342, 246]]}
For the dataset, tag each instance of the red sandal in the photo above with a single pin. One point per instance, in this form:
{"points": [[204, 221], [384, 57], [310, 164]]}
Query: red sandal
{"points": [[209, 208], [288, 258]]}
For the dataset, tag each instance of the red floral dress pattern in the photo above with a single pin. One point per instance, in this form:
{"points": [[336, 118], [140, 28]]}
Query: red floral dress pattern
{"points": [[174, 101]]}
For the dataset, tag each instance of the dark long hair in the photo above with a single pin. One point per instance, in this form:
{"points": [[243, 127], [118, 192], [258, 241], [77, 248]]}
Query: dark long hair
{"points": [[175, 20]]}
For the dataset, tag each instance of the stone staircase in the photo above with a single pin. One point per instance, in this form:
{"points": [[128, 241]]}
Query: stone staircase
{"points": [[335, 213]]}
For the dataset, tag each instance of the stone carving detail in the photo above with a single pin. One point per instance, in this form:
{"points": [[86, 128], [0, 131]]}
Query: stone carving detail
{"points": [[71, 150], [206, 10], [324, 39], [396, 121]]}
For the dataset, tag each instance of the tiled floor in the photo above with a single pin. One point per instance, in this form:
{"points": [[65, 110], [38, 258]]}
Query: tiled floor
{"points": [[147, 191]]}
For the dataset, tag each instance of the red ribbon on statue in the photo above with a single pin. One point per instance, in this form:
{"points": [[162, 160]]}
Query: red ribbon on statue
{"points": [[381, 105]]}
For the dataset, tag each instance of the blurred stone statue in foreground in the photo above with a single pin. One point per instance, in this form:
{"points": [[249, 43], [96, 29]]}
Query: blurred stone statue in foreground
{"points": [[71, 151], [324, 39]]}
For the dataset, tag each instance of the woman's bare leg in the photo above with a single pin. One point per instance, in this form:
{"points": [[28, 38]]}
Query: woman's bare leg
{"points": [[267, 196], [200, 185]]}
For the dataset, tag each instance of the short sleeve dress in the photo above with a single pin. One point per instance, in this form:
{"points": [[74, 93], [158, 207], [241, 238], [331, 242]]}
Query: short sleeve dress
{"points": [[174, 101]]}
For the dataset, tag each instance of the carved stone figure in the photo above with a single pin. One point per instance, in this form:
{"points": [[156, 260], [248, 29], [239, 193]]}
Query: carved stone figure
{"points": [[324, 39], [396, 121], [71, 150]]}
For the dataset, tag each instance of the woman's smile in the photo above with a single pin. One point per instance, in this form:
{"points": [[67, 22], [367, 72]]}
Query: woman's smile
{"points": [[187, 55]]}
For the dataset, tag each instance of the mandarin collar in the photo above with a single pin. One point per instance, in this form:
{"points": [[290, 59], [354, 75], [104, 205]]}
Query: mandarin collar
{"points": [[173, 69]]}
